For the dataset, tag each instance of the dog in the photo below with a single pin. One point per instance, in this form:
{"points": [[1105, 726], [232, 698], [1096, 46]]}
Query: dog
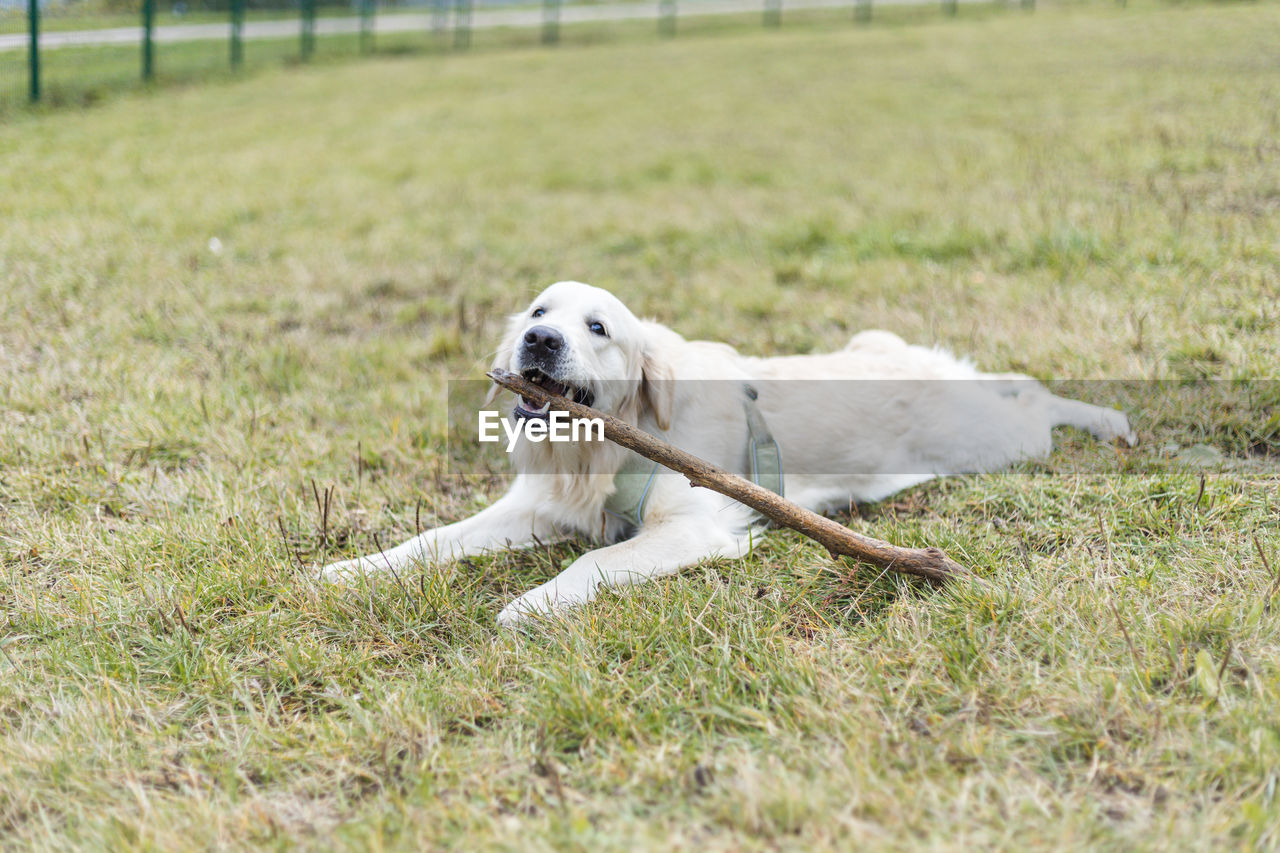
{"points": [[850, 426]]}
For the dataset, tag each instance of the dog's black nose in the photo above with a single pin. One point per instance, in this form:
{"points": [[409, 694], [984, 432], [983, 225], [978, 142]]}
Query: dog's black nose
{"points": [[543, 340]]}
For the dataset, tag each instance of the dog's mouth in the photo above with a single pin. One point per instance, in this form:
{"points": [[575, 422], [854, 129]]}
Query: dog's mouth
{"points": [[526, 408]]}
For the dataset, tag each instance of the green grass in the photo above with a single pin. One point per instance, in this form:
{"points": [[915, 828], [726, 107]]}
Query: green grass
{"points": [[1080, 193]]}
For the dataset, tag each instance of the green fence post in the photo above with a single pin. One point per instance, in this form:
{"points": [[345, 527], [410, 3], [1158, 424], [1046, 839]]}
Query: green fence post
{"points": [[773, 13], [439, 19], [308, 45], [862, 11], [148, 48], [667, 18], [237, 33], [461, 24], [33, 49], [366, 26], [550, 21]]}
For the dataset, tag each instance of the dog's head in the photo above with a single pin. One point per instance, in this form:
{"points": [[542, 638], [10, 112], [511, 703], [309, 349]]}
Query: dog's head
{"points": [[581, 342]]}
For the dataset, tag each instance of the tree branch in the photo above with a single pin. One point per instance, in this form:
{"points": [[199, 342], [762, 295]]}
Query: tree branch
{"points": [[929, 563]]}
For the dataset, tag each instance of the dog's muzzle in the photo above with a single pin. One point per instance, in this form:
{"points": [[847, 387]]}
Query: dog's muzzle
{"points": [[529, 409]]}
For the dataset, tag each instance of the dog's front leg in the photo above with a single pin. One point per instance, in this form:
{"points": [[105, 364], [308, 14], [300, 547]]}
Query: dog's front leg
{"points": [[512, 521], [657, 550]]}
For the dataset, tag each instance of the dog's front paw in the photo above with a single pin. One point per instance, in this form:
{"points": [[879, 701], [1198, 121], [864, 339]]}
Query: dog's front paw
{"points": [[524, 610], [547, 600], [346, 571], [513, 615]]}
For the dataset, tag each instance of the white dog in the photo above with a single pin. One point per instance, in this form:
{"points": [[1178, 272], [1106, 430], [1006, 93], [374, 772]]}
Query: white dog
{"points": [[851, 440]]}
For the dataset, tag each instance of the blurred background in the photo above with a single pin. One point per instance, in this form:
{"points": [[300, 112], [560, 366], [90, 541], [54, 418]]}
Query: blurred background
{"points": [[76, 51]]}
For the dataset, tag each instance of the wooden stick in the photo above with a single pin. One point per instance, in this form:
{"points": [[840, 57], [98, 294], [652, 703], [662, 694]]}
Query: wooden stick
{"points": [[929, 563]]}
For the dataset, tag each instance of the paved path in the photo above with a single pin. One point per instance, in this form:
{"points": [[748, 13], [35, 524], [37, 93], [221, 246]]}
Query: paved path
{"points": [[481, 19]]}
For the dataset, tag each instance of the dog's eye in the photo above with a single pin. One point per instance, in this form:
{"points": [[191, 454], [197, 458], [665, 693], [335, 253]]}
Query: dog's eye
{"points": [[538, 312], [597, 328]]}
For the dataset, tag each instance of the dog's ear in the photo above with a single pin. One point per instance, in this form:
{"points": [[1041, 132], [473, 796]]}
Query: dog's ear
{"points": [[658, 385], [502, 358]]}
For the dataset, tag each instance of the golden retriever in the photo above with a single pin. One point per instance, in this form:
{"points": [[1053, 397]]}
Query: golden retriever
{"points": [[855, 425]]}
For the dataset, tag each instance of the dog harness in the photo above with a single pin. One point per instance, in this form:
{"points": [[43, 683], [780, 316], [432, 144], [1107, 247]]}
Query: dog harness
{"points": [[634, 480]]}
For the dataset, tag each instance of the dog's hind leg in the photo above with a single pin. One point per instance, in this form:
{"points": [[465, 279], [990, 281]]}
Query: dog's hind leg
{"points": [[1102, 423]]}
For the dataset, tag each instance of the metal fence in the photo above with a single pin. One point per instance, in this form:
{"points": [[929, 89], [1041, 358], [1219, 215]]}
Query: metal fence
{"points": [[76, 51]]}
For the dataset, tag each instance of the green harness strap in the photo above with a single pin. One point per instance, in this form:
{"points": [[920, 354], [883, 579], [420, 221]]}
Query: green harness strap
{"points": [[634, 481]]}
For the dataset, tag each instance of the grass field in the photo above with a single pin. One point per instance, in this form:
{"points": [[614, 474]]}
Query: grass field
{"points": [[211, 298]]}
